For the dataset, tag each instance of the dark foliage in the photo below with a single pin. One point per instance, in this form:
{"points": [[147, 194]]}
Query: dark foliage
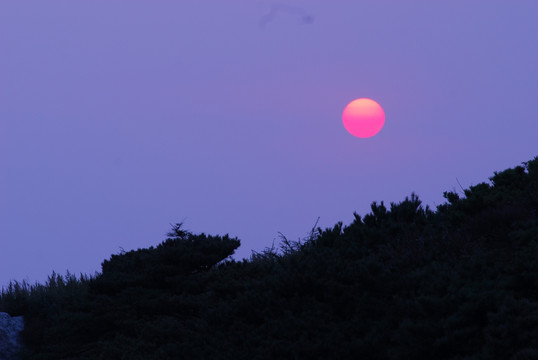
{"points": [[403, 282]]}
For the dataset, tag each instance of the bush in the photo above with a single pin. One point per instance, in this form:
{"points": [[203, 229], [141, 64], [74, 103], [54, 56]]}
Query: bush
{"points": [[401, 282]]}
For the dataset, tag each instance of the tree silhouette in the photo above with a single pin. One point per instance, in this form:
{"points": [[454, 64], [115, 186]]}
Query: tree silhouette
{"points": [[401, 282]]}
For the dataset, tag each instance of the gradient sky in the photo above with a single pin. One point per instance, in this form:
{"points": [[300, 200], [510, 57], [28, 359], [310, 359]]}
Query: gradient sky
{"points": [[118, 118]]}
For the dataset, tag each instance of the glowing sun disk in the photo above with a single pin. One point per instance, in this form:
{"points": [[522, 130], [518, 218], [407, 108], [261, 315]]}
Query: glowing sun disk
{"points": [[363, 117]]}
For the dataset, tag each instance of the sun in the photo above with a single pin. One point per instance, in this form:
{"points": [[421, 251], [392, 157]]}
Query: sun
{"points": [[363, 118]]}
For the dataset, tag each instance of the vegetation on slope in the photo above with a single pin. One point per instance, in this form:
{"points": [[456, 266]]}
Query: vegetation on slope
{"points": [[402, 282]]}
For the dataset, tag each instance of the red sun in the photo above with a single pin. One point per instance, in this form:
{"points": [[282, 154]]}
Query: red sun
{"points": [[363, 118]]}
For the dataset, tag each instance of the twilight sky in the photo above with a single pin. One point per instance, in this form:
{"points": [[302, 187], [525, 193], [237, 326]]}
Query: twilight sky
{"points": [[118, 118]]}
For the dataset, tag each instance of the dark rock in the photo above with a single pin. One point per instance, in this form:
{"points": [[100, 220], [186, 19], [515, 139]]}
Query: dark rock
{"points": [[10, 327]]}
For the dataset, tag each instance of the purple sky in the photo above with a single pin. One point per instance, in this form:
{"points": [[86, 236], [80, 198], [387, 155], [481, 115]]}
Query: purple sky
{"points": [[120, 118]]}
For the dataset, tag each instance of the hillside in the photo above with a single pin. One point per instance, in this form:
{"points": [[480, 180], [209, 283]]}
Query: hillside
{"points": [[401, 282]]}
